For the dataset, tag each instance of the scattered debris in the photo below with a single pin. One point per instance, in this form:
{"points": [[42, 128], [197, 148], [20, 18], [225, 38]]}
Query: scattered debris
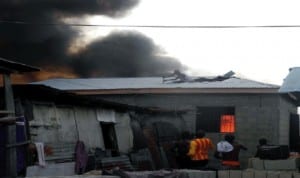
{"points": [[178, 77]]}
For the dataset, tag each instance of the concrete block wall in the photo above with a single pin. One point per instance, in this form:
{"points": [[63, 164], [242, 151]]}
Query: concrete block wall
{"points": [[256, 174], [257, 115], [235, 174], [273, 174], [247, 174], [291, 164], [260, 174], [296, 175]]}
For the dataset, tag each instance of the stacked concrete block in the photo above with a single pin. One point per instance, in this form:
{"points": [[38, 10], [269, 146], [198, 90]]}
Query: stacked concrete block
{"points": [[273, 174], [285, 174], [248, 174], [223, 174], [260, 174], [287, 164], [291, 164], [256, 164], [252, 173], [207, 174], [235, 174], [296, 175], [198, 174]]}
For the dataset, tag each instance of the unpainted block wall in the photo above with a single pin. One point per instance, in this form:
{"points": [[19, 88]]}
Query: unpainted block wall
{"points": [[257, 115]]}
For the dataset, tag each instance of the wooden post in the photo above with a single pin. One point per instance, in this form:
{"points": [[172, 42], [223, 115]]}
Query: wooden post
{"points": [[11, 155]]}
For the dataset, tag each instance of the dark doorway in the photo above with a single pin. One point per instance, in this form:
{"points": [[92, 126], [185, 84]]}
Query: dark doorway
{"points": [[109, 137], [294, 133]]}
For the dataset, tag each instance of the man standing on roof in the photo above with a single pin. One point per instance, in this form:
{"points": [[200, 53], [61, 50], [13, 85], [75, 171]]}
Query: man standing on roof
{"points": [[199, 148]]}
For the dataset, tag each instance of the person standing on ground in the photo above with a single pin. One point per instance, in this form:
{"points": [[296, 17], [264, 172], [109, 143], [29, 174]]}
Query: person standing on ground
{"points": [[198, 151], [230, 158], [181, 148]]}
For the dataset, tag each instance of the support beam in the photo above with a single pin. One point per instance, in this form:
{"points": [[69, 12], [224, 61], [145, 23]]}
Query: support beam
{"points": [[11, 155]]}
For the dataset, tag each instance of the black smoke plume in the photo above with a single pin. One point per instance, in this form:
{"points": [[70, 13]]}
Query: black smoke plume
{"points": [[41, 44], [126, 54]]}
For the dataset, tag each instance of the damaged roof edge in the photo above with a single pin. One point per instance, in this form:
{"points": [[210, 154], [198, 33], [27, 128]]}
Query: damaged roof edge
{"points": [[291, 85], [292, 81]]}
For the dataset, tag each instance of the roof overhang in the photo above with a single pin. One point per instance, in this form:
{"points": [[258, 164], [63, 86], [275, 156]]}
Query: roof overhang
{"points": [[178, 91], [7, 67]]}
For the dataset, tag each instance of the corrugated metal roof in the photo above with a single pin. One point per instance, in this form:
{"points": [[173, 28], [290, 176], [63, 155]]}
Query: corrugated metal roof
{"points": [[149, 83]]}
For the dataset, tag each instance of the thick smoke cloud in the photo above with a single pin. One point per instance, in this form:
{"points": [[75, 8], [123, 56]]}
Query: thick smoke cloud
{"points": [[37, 9], [125, 54], [40, 44]]}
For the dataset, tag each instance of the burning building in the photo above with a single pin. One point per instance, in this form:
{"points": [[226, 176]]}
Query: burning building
{"points": [[218, 105]]}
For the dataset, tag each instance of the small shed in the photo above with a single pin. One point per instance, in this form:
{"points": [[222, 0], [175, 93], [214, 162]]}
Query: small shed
{"points": [[59, 119]]}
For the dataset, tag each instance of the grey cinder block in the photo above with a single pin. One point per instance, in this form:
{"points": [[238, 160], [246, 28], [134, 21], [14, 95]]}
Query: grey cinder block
{"points": [[257, 164], [248, 174], [296, 175], [235, 174], [284, 174], [287, 164], [223, 174], [260, 174], [273, 174]]}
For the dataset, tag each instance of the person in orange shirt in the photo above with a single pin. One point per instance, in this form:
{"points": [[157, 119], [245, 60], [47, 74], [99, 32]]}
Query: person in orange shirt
{"points": [[198, 151]]}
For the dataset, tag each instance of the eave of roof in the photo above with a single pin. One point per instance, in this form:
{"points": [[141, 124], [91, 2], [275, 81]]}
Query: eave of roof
{"points": [[7, 66], [177, 91], [41, 93], [155, 85]]}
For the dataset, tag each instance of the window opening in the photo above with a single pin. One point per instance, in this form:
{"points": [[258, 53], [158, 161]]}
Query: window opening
{"points": [[210, 118], [227, 124]]}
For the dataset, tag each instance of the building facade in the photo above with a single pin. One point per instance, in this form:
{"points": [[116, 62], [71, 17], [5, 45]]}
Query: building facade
{"points": [[256, 109]]}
